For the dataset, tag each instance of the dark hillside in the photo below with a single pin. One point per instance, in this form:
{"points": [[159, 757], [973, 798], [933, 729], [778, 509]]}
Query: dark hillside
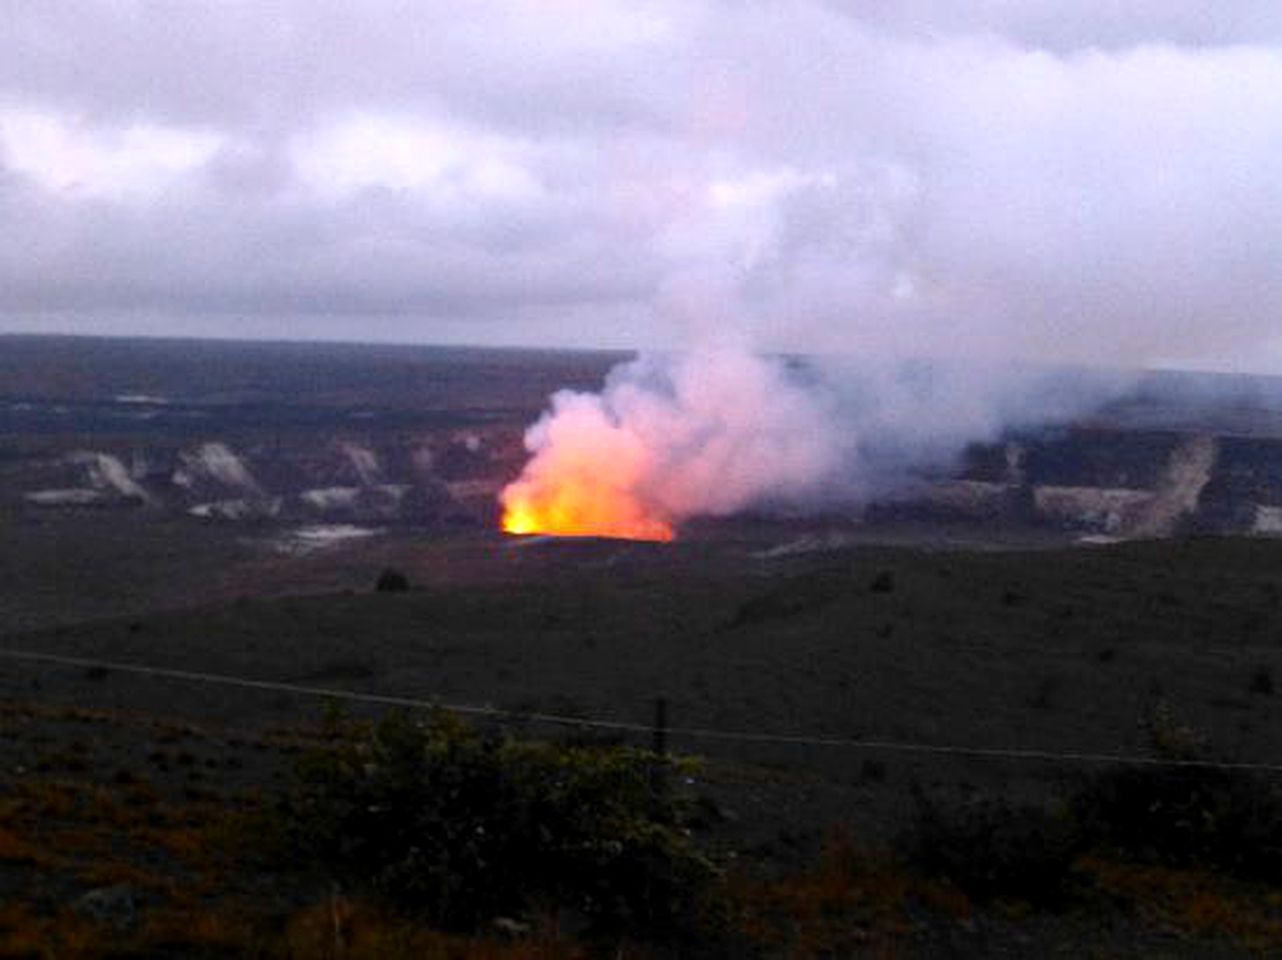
{"points": [[1054, 650]]}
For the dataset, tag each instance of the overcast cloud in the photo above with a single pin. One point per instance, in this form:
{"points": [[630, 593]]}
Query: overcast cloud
{"points": [[1088, 181]]}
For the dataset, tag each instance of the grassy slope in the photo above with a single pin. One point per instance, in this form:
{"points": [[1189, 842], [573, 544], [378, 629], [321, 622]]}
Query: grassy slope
{"points": [[1064, 650]]}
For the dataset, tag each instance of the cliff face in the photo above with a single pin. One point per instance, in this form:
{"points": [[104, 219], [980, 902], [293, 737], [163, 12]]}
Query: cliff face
{"points": [[1128, 482], [427, 437], [425, 479], [1110, 481]]}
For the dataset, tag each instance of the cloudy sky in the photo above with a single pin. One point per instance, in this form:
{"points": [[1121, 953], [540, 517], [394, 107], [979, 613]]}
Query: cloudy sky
{"points": [[1094, 180]]}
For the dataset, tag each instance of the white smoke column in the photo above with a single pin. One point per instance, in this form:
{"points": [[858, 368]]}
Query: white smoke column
{"points": [[672, 437], [717, 432]]}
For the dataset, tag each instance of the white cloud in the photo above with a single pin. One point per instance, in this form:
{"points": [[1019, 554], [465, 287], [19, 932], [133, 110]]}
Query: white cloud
{"points": [[65, 156], [368, 150], [1093, 181]]}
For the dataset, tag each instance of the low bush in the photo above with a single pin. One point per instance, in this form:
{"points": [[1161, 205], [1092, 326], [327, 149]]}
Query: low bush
{"points": [[1219, 818], [1184, 816], [392, 580], [884, 582], [462, 828], [993, 849]]}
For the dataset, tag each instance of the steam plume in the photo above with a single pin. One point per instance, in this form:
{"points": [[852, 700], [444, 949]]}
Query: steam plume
{"points": [[716, 432]]}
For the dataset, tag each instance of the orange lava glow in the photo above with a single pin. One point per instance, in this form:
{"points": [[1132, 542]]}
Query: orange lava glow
{"points": [[590, 475], [579, 510]]}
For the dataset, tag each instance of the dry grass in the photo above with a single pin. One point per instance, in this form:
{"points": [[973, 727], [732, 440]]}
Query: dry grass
{"points": [[165, 730], [110, 873], [231, 927], [182, 860], [44, 799], [187, 843], [15, 848], [64, 935], [1194, 902], [335, 928], [178, 856], [850, 901], [104, 836], [356, 930]]}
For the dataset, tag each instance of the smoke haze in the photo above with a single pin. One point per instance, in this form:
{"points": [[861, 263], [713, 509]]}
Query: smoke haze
{"points": [[718, 432]]}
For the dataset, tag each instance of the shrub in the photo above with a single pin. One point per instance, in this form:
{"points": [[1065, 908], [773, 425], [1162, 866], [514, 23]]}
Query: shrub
{"points": [[992, 848], [463, 828], [883, 582], [1169, 736], [392, 581], [1185, 815]]}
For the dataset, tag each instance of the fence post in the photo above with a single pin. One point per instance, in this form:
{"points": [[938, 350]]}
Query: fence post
{"points": [[659, 745], [661, 726]]}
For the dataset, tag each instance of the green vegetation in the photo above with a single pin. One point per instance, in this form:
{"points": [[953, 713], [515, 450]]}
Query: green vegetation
{"points": [[131, 789], [992, 848], [463, 828], [1214, 818], [428, 838], [1185, 816]]}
